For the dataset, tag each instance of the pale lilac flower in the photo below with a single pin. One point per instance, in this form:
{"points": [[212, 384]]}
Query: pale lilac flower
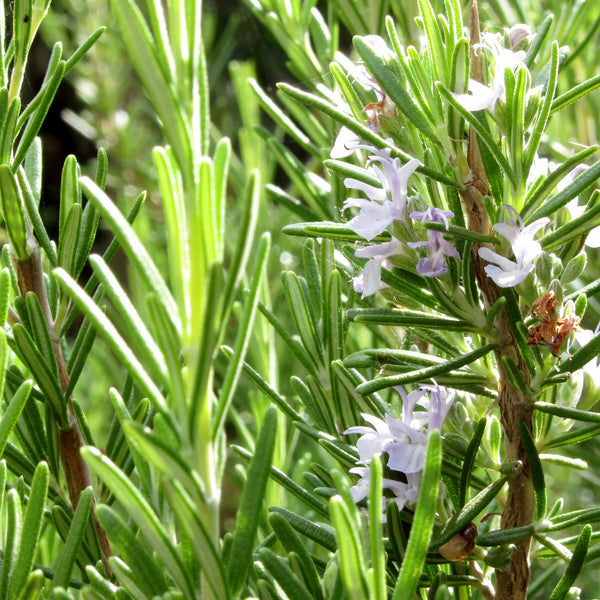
{"points": [[439, 248], [483, 97], [517, 33], [506, 272], [383, 205], [404, 440], [404, 493], [369, 281]]}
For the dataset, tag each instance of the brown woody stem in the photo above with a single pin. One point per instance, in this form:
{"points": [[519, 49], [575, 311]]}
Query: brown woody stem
{"points": [[512, 581], [30, 277]]}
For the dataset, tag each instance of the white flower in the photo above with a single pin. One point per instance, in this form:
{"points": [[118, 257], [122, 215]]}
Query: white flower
{"points": [[508, 273], [383, 205], [369, 281], [346, 143], [481, 96], [404, 440]]}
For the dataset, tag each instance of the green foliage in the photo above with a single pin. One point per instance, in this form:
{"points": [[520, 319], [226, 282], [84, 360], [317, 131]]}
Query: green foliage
{"points": [[137, 494]]}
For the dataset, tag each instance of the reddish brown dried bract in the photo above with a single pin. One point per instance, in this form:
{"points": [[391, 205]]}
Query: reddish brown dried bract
{"points": [[383, 107], [551, 331]]}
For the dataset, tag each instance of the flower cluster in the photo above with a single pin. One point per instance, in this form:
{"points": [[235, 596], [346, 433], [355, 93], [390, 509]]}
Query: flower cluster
{"points": [[403, 440], [434, 264], [384, 206]]}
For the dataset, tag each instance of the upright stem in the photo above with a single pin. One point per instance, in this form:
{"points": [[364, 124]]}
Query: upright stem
{"points": [[30, 276], [512, 581]]}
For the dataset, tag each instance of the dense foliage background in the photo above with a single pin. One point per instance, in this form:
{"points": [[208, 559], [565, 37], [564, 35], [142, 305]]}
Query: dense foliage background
{"points": [[210, 307]]}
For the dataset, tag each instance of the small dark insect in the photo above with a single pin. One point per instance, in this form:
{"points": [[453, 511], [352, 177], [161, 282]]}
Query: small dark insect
{"points": [[461, 545], [26, 19]]}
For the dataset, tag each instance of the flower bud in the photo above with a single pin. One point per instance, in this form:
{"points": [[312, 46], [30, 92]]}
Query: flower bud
{"points": [[543, 269], [500, 556], [580, 305], [574, 268]]}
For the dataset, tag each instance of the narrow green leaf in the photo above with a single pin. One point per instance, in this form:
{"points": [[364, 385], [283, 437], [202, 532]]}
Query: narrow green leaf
{"points": [[436, 45], [282, 119], [148, 577], [303, 318], [35, 219], [251, 505], [518, 328], [575, 565], [66, 560], [322, 535], [12, 531], [537, 471], [289, 484], [469, 461], [244, 335], [284, 576], [575, 93], [165, 460], [351, 559], [543, 114], [544, 185], [83, 48], [460, 232], [469, 511], [39, 331], [501, 537], [8, 134], [538, 40], [137, 334], [583, 181], [79, 355], [208, 556], [32, 527], [566, 412], [418, 541], [246, 243], [13, 212], [27, 351], [292, 543], [32, 169], [13, 412], [110, 334], [576, 228], [33, 586], [124, 453], [404, 317], [70, 191], [151, 529], [584, 355], [129, 241], [426, 373], [34, 124], [378, 558], [142, 49], [391, 84]]}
